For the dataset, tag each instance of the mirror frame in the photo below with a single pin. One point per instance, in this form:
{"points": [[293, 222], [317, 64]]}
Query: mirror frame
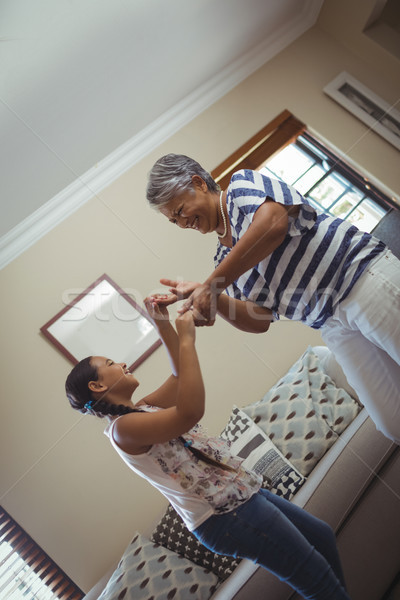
{"points": [[136, 319]]}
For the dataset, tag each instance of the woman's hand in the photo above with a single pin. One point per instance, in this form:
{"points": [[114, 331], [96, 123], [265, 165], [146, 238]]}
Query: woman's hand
{"points": [[179, 290], [203, 302]]}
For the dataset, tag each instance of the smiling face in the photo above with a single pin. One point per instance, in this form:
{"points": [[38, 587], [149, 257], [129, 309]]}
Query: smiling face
{"points": [[114, 380], [196, 209]]}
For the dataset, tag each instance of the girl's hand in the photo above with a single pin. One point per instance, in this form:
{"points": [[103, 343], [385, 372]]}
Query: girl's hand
{"points": [[164, 299], [158, 312], [185, 325]]}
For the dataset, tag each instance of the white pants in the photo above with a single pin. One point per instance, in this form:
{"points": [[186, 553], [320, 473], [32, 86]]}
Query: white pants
{"points": [[364, 336]]}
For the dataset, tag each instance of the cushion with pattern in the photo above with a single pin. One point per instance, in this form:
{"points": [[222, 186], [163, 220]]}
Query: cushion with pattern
{"points": [[148, 571], [304, 413], [172, 533], [260, 454]]}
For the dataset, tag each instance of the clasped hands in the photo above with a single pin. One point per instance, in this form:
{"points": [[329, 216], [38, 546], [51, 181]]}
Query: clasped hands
{"points": [[199, 298]]}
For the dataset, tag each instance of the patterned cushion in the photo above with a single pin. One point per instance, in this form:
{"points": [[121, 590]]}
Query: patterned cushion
{"points": [[249, 442], [148, 571], [304, 413], [172, 533]]}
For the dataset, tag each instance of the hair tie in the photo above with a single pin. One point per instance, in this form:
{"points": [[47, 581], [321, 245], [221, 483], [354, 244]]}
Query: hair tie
{"points": [[188, 443], [89, 406]]}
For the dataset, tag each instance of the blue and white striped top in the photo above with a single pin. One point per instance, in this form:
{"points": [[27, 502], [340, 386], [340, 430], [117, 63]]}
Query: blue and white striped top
{"points": [[316, 265]]}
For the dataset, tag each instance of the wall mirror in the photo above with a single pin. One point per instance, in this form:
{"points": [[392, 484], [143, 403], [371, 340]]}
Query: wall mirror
{"points": [[103, 320]]}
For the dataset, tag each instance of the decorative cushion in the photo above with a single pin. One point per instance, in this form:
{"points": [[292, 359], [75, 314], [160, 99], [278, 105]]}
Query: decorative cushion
{"points": [[332, 368], [250, 443], [304, 413], [148, 571], [172, 533]]}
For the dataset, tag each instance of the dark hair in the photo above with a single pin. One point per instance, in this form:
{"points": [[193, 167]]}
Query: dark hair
{"points": [[172, 175], [79, 395]]}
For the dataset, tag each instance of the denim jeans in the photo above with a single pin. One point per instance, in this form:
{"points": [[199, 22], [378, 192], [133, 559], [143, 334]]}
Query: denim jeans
{"points": [[364, 336], [283, 538]]}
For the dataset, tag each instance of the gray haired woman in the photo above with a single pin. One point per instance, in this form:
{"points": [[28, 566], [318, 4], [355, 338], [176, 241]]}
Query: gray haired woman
{"points": [[278, 256]]}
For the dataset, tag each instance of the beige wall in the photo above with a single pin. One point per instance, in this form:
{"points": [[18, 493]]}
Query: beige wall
{"points": [[60, 478]]}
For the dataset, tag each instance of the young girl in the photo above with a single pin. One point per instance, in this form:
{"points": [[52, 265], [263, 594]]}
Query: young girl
{"points": [[220, 502]]}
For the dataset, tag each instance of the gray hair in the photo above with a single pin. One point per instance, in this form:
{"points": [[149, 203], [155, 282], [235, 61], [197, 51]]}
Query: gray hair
{"points": [[172, 175]]}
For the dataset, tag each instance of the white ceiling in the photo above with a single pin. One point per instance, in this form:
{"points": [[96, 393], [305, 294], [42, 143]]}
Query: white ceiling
{"points": [[81, 79]]}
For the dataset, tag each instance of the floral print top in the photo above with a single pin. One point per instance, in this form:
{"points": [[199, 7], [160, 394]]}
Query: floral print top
{"points": [[196, 489]]}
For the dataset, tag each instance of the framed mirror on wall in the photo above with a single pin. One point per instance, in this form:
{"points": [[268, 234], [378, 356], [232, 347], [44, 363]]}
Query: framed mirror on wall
{"points": [[103, 320]]}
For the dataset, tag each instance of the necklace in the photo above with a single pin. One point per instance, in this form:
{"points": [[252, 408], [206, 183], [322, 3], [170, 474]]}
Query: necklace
{"points": [[223, 217]]}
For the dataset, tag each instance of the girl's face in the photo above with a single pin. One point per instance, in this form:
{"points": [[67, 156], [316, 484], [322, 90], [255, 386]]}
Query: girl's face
{"points": [[114, 378], [196, 210]]}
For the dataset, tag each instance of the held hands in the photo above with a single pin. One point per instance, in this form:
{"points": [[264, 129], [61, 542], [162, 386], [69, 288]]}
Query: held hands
{"points": [[157, 309], [203, 303], [156, 306], [201, 299]]}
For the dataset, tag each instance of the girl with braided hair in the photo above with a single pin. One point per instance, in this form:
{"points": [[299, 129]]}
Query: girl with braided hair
{"points": [[222, 503]]}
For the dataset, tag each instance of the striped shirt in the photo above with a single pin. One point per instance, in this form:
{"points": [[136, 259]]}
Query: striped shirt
{"points": [[316, 265]]}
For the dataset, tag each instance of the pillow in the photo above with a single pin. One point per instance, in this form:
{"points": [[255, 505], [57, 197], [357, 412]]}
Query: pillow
{"points": [[304, 413], [148, 571], [249, 442], [172, 533], [332, 368]]}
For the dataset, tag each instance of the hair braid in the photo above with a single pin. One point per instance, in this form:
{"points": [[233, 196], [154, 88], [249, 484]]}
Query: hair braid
{"points": [[101, 408], [205, 458]]}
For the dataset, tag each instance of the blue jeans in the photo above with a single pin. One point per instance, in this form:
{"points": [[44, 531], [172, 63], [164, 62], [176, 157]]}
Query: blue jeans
{"points": [[284, 539]]}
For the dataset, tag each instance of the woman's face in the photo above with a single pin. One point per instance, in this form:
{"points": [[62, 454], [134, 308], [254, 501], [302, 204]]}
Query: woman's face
{"points": [[114, 376], [193, 210]]}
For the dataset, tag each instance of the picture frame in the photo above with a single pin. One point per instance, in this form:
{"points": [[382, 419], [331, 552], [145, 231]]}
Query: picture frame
{"points": [[103, 320], [367, 106]]}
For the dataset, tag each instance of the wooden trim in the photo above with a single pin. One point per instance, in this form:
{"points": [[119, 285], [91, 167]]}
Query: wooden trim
{"points": [[277, 134]]}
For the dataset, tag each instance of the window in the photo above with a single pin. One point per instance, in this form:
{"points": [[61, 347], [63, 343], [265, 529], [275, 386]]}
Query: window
{"points": [[322, 178], [26, 572], [285, 150]]}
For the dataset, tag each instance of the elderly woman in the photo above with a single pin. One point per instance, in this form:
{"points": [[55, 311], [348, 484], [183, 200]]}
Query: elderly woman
{"points": [[281, 257]]}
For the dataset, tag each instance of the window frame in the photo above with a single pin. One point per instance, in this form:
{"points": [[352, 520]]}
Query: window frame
{"points": [[338, 165], [274, 137]]}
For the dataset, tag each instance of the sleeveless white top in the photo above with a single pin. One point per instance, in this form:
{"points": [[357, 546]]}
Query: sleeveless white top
{"points": [[195, 489]]}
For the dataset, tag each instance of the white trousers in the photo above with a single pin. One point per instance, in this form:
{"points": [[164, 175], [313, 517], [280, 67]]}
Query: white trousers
{"points": [[364, 336]]}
